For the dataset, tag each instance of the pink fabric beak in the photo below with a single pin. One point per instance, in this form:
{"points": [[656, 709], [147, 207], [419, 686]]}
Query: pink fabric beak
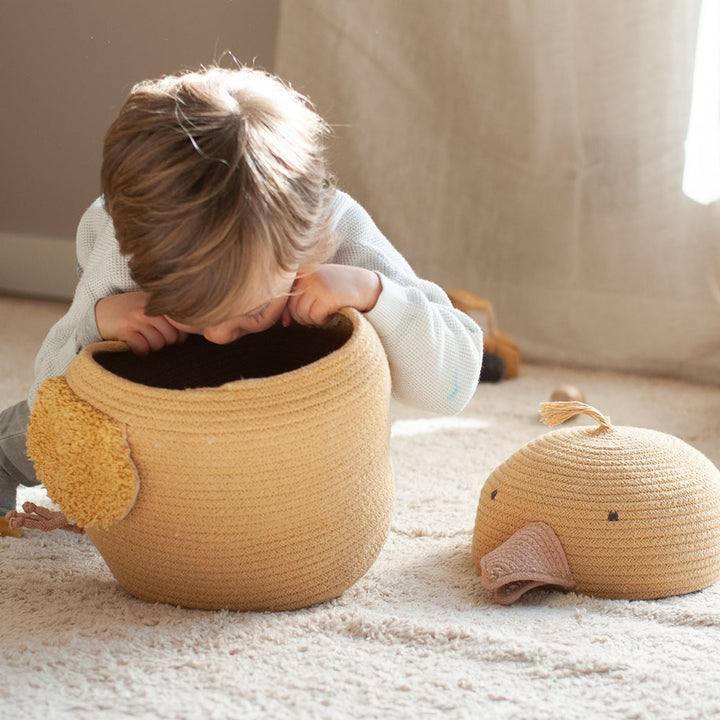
{"points": [[531, 557]]}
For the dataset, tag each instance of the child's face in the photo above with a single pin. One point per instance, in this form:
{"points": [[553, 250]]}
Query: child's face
{"points": [[260, 313]]}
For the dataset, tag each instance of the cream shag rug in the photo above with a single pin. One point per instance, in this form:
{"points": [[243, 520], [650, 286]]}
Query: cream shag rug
{"points": [[417, 637]]}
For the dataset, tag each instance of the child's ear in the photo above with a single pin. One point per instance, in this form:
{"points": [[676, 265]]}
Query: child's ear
{"points": [[82, 457]]}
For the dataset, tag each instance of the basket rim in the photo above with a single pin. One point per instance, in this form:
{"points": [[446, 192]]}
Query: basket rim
{"points": [[84, 367]]}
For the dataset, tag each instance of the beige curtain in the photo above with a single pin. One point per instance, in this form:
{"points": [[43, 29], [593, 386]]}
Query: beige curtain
{"points": [[532, 151]]}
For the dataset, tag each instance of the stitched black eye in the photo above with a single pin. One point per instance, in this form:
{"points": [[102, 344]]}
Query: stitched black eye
{"points": [[493, 494], [613, 516]]}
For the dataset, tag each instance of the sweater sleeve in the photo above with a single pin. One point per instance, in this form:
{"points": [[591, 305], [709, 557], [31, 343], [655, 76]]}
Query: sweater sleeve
{"points": [[102, 271], [434, 350]]}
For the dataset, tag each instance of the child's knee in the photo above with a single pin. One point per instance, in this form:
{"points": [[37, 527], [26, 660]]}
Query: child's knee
{"points": [[15, 465]]}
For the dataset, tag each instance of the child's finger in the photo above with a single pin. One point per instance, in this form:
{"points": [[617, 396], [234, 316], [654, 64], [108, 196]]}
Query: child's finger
{"points": [[137, 343], [155, 339], [169, 333], [298, 306], [319, 312], [315, 312]]}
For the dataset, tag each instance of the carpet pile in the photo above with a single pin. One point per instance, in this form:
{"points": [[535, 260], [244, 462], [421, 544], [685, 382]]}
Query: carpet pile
{"points": [[417, 637]]}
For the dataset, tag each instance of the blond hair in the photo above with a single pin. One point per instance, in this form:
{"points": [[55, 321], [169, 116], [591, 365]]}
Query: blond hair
{"points": [[213, 178]]}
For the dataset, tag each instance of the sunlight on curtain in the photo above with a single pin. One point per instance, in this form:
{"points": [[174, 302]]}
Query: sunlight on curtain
{"points": [[534, 152], [701, 179]]}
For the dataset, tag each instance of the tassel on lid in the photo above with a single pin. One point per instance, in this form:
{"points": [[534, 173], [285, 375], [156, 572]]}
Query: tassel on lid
{"points": [[555, 413]]}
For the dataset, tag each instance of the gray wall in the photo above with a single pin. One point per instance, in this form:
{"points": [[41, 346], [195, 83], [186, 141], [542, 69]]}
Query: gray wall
{"points": [[65, 69]]}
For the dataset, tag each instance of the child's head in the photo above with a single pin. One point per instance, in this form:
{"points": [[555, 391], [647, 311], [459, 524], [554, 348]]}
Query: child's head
{"points": [[216, 182]]}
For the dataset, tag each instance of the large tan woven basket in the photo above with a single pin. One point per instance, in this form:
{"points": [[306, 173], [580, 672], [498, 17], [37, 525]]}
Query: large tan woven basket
{"points": [[616, 512], [255, 475]]}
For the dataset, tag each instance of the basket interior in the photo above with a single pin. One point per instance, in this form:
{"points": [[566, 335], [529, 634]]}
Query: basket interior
{"points": [[200, 363]]}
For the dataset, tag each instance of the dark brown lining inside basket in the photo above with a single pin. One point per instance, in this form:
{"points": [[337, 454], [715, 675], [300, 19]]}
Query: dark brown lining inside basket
{"points": [[199, 363]]}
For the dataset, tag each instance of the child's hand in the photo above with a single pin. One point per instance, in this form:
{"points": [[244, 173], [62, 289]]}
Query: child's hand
{"points": [[122, 317], [320, 293]]}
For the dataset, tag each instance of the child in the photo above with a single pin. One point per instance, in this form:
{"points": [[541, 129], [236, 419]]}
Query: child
{"points": [[219, 217]]}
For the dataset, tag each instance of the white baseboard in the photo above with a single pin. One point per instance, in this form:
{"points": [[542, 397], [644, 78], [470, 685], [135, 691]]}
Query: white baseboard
{"points": [[37, 265]]}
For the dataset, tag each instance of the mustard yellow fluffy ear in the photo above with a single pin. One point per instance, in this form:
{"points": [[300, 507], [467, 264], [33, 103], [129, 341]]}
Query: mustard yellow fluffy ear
{"points": [[82, 456]]}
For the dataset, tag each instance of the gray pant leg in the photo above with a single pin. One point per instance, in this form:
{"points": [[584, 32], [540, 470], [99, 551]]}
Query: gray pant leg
{"points": [[15, 466]]}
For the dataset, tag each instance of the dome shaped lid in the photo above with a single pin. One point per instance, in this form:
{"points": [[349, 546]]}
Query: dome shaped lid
{"points": [[636, 511], [611, 457]]}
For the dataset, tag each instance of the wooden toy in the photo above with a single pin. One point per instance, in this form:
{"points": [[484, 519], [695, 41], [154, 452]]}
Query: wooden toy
{"points": [[567, 393]]}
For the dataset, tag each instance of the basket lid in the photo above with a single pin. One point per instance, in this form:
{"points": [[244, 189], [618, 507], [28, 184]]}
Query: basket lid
{"points": [[636, 511]]}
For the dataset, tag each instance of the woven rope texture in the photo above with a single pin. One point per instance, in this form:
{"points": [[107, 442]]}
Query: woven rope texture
{"points": [[264, 466], [637, 511]]}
